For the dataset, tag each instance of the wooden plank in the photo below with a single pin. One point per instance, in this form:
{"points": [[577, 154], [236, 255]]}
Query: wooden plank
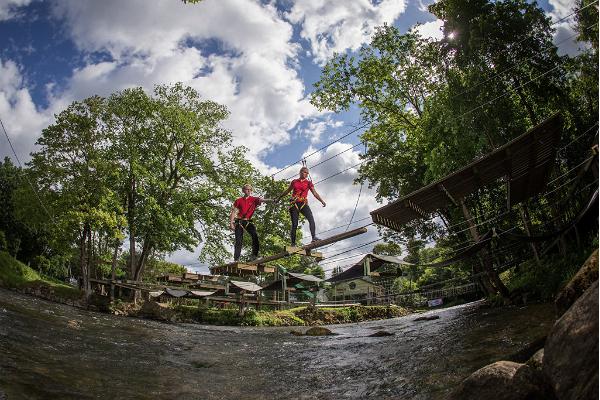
{"points": [[303, 252]]}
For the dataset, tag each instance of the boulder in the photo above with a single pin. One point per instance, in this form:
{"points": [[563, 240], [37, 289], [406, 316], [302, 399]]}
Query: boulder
{"points": [[318, 331], [586, 275], [536, 361], [571, 351], [504, 380], [158, 311]]}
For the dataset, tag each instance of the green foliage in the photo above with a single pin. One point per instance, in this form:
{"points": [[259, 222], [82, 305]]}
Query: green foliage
{"points": [[293, 317], [157, 267], [55, 267], [157, 169], [545, 280], [435, 106], [14, 274]]}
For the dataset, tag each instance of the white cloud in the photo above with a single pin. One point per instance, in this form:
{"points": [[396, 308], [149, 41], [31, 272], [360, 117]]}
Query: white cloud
{"points": [[315, 128], [431, 29], [9, 9], [337, 26], [252, 71], [20, 118], [565, 37]]}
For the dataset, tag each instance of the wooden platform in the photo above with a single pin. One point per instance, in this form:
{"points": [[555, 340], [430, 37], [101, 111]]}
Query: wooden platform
{"points": [[242, 269]]}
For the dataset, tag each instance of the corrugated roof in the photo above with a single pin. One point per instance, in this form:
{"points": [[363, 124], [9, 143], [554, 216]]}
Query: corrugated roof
{"points": [[525, 162], [305, 277]]}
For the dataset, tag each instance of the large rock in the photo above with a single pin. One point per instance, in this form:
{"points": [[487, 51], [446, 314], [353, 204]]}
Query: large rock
{"points": [[318, 331], [586, 275], [158, 311], [571, 351], [504, 380]]}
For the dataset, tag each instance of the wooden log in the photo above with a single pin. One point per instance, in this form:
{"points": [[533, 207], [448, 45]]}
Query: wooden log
{"points": [[312, 245]]}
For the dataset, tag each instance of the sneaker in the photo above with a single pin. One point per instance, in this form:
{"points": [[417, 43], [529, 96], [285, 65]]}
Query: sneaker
{"points": [[315, 239]]}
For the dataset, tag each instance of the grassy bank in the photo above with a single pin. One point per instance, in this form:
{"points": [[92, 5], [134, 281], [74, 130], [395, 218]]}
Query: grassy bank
{"points": [[14, 274], [300, 316]]}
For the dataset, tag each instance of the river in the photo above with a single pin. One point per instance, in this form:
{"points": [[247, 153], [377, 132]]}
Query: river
{"points": [[53, 351]]}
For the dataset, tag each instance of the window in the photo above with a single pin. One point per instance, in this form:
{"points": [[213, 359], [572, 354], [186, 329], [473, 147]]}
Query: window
{"points": [[352, 285]]}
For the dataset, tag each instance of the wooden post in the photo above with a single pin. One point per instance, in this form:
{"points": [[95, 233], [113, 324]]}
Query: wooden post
{"points": [[527, 225], [493, 283], [367, 266]]}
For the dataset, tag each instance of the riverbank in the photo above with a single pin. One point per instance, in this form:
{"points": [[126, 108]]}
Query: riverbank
{"points": [[21, 278]]}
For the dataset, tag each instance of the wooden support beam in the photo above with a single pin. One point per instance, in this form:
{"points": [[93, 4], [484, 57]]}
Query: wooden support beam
{"points": [[443, 189], [410, 204]]}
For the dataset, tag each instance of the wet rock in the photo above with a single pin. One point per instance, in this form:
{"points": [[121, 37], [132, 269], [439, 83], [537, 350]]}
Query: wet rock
{"points": [[583, 279], [528, 351], [99, 302], [73, 324], [296, 333], [381, 334], [536, 361], [158, 311], [318, 331], [571, 351], [428, 318], [504, 380]]}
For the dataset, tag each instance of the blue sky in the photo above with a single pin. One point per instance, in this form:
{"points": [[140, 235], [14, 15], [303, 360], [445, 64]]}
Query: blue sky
{"points": [[259, 58]]}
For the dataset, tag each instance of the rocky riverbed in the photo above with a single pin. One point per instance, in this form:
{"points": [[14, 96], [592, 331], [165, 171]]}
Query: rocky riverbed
{"points": [[52, 350]]}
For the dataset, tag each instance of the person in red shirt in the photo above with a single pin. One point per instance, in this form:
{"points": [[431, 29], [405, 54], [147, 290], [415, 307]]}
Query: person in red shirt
{"points": [[240, 220], [299, 203]]}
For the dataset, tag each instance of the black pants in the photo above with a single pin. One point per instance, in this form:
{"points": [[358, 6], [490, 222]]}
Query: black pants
{"points": [[240, 227], [295, 211]]}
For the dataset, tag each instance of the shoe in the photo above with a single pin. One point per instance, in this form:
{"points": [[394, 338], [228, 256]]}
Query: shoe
{"points": [[315, 239]]}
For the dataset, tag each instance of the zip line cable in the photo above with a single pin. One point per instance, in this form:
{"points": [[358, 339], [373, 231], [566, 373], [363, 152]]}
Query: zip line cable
{"points": [[321, 148], [324, 161]]}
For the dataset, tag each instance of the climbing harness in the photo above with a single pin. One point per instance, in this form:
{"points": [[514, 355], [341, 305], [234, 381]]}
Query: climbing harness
{"points": [[244, 223], [297, 199]]}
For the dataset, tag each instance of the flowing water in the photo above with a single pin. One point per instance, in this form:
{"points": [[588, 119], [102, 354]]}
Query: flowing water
{"points": [[52, 351]]}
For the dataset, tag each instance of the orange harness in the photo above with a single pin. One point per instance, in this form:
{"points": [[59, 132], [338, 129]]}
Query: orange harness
{"points": [[295, 200]]}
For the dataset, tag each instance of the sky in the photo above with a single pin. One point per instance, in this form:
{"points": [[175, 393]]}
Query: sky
{"points": [[259, 58]]}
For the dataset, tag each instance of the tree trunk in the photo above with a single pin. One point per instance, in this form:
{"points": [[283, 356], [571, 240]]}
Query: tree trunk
{"points": [[131, 223], [83, 265], [527, 225], [113, 269]]}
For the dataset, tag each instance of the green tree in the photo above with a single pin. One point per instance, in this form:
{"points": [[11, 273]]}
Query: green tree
{"points": [[176, 169], [71, 168]]}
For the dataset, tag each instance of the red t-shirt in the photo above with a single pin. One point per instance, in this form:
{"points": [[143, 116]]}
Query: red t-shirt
{"points": [[300, 189], [246, 206]]}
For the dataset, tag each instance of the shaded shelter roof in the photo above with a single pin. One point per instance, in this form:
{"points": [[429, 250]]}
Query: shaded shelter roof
{"points": [[293, 278], [357, 270], [240, 285], [524, 162], [178, 293]]}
